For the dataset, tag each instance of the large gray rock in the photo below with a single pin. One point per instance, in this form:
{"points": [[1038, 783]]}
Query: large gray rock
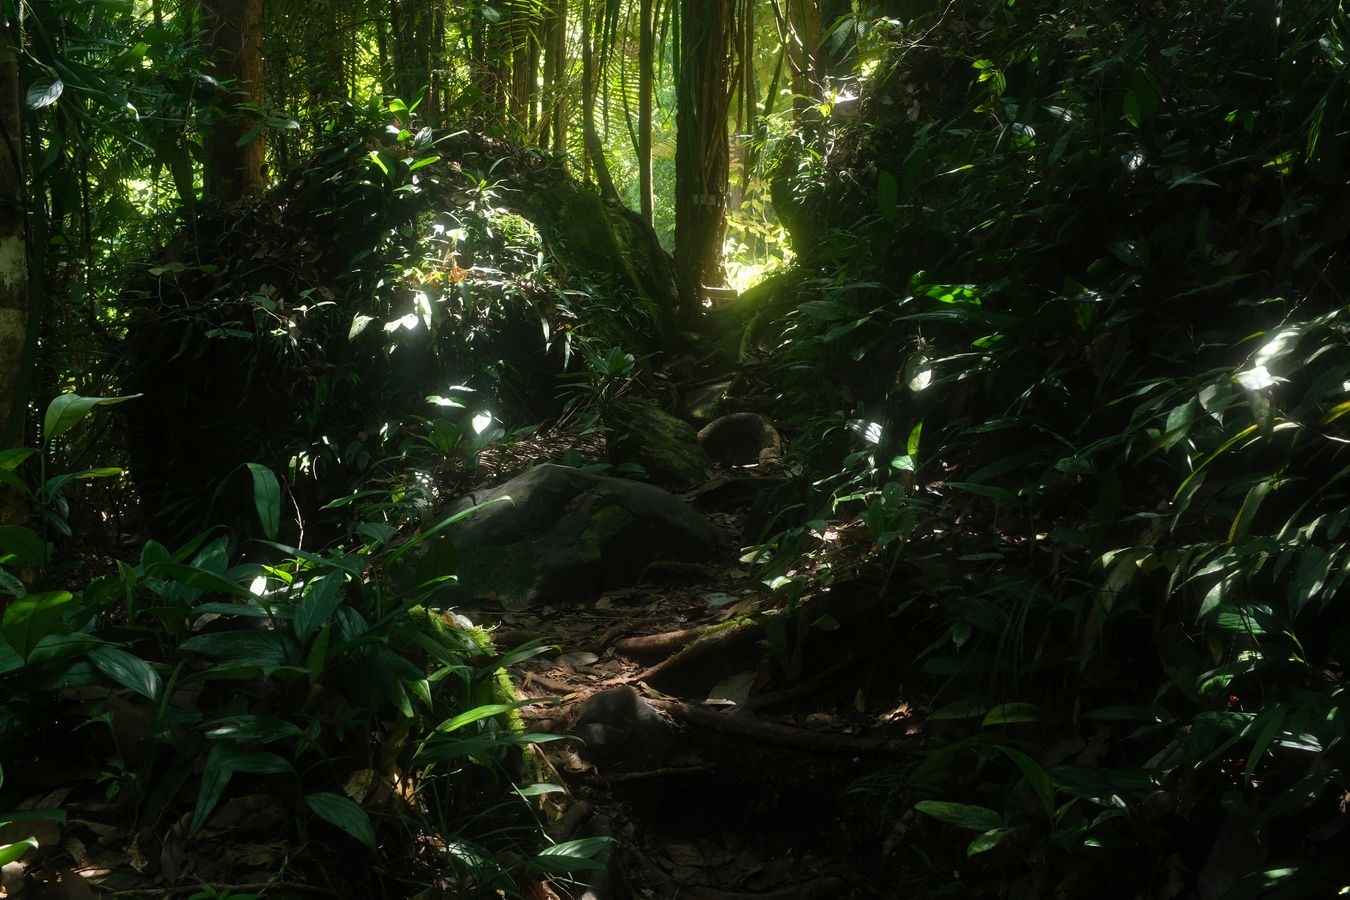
{"points": [[563, 535]]}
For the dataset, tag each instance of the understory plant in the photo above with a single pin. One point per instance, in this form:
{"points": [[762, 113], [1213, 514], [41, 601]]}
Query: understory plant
{"points": [[1076, 290], [329, 680]]}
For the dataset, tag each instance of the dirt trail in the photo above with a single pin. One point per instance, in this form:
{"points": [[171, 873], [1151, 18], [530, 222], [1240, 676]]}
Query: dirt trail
{"points": [[720, 753]]}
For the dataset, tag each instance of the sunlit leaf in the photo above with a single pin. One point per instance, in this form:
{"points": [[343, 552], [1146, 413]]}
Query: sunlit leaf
{"points": [[266, 498], [68, 410], [44, 92]]}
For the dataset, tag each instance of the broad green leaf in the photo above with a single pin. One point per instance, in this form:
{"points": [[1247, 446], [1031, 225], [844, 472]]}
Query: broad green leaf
{"points": [[322, 598], [22, 546], [988, 841], [1012, 714], [266, 499], [341, 811], [11, 852], [379, 161], [128, 670], [1274, 719], [200, 579], [1335, 413], [68, 410], [572, 856], [12, 459], [44, 92], [1310, 576], [1037, 778], [961, 709], [215, 778], [12, 586], [29, 620], [1250, 506], [962, 815], [539, 790], [221, 763], [486, 711], [359, 323], [252, 728], [252, 644]]}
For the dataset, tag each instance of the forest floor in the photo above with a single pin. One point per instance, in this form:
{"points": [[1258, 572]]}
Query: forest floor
{"points": [[722, 755]]}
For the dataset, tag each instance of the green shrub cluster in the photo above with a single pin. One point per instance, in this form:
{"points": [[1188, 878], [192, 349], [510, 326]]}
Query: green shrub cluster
{"points": [[1075, 282]]}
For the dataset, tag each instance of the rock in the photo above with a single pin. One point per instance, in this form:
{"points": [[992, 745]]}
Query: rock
{"points": [[663, 445], [562, 536], [622, 731], [704, 402], [741, 439]]}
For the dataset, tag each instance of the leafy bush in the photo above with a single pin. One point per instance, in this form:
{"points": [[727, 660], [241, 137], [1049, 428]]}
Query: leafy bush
{"points": [[322, 678], [1080, 307]]}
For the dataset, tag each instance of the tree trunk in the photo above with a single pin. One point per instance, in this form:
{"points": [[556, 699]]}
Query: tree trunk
{"points": [[13, 267], [234, 160], [646, 73], [595, 150], [702, 154]]}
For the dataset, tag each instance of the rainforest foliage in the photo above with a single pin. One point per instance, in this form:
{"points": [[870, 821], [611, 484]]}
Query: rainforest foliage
{"points": [[1047, 300]]}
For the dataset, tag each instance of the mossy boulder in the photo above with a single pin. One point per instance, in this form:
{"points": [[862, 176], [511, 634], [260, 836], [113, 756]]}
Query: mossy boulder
{"points": [[665, 446], [556, 535]]}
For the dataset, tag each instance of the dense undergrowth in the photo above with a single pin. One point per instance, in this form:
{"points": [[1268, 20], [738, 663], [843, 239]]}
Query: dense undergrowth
{"points": [[307, 378], [189, 697], [398, 305], [1075, 282]]}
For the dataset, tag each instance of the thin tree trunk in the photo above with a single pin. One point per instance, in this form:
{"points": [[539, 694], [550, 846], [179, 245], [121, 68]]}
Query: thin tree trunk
{"points": [[646, 78], [13, 267], [234, 161]]}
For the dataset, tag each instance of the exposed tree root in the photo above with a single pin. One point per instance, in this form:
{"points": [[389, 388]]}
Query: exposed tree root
{"points": [[782, 735], [658, 646], [714, 642]]}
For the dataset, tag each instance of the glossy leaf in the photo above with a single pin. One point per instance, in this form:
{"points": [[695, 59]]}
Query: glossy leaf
{"points": [[128, 670], [68, 410]]}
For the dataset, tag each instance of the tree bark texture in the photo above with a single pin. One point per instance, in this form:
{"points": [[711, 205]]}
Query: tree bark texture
{"points": [[234, 163], [702, 153], [13, 267]]}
